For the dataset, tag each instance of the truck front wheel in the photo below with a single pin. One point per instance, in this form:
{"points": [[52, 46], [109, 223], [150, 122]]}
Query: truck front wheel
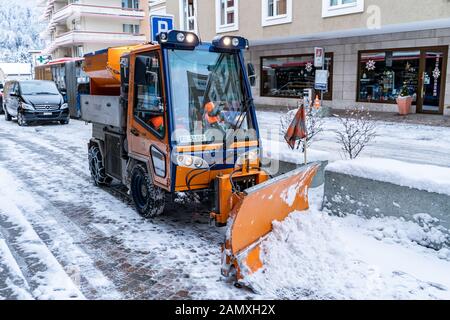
{"points": [[97, 167], [148, 198]]}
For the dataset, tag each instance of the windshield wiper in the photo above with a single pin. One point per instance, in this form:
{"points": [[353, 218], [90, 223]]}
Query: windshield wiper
{"points": [[47, 93], [245, 107]]}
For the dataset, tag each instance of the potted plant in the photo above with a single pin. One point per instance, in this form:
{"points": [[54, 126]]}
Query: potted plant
{"points": [[404, 101]]}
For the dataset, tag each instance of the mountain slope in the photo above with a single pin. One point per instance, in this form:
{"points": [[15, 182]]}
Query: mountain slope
{"points": [[19, 30]]}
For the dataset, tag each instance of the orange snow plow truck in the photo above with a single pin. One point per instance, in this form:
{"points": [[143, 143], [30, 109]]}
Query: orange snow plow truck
{"points": [[177, 115]]}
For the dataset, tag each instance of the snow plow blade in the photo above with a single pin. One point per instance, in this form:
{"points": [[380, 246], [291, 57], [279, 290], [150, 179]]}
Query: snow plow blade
{"points": [[252, 215]]}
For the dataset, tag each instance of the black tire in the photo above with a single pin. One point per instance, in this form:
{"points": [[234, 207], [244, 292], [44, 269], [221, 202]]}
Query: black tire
{"points": [[21, 120], [148, 198], [97, 167], [63, 122], [7, 116]]}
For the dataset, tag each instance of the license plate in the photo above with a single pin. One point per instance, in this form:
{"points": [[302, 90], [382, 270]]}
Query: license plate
{"points": [[48, 113]]}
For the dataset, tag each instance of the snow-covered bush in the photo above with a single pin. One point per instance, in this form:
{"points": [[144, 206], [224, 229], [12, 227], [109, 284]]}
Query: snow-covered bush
{"points": [[314, 122], [356, 132]]}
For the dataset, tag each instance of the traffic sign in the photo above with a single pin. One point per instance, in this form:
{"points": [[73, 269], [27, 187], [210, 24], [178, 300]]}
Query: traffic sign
{"points": [[319, 57], [160, 23], [321, 82]]}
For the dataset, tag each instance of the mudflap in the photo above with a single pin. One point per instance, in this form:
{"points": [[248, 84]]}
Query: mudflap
{"points": [[252, 216]]}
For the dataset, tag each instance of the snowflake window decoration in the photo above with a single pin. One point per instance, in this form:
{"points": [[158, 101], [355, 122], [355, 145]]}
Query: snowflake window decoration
{"points": [[370, 65], [309, 67], [436, 73]]}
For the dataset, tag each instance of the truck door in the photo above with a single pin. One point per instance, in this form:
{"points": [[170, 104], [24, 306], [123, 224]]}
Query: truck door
{"points": [[147, 117]]}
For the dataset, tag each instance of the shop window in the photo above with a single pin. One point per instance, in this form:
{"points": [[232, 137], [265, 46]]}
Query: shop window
{"points": [[188, 14], [382, 75], [227, 15], [288, 76], [276, 12], [331, 8]]}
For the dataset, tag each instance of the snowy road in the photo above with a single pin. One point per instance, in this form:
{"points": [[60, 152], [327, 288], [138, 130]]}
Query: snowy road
{"points": [[95, 237], [63, 238]]}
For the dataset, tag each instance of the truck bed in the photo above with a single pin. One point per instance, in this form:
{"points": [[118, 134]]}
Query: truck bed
{"points": [[104, 110]]}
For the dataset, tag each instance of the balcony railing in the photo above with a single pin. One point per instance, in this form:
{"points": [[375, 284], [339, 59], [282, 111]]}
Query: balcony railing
{"points": [[78, 9], [106, 38]]}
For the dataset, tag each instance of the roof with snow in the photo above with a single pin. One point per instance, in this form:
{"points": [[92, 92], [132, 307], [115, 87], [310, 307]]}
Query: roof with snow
{"points": [[15, 68]]}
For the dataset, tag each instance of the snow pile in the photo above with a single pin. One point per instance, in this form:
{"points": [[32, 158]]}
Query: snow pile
{"points": [[423, 177], [303, 258], [311, 255]]}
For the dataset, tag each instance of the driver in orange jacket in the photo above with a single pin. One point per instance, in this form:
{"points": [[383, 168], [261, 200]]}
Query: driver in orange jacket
{"points": [[213, 116]]}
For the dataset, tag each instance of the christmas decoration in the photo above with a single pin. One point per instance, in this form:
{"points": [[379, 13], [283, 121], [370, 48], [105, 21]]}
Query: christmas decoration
{"points": [[370, 65]]}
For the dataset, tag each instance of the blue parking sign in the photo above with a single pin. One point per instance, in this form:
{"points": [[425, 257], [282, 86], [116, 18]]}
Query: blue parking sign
{"points": [[160, 24]]}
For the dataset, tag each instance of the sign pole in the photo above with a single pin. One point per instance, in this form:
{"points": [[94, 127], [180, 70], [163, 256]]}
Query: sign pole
{"points": [[305, 147], [323, 68], [305, 141]]}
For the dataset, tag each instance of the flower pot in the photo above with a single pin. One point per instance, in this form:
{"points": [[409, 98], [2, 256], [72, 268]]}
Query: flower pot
{"points": [[404, 105]]}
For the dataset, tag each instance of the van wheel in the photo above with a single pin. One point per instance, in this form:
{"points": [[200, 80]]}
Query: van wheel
{"points": [[97, 167], [21, 120], [148, 198], [7, 116]]}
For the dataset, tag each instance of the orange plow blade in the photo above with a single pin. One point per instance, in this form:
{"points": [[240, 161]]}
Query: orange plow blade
{"points": [[254, 211]]}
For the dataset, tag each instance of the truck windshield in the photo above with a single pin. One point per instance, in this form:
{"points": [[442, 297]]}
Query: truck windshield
{"points": [[38, 87], [207, 95]]}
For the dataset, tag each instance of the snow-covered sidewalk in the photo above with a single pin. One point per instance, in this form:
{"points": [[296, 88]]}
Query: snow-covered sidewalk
{"points": [[399, 141]]}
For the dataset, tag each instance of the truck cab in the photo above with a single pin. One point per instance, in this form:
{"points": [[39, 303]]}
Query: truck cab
{"points": [[180, 115]]}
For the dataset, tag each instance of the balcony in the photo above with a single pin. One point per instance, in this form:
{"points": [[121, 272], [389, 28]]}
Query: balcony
{"points": [[50, 6], [76, 10], [73, 38]]}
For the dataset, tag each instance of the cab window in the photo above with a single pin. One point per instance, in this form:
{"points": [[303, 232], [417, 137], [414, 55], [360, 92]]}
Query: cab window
{"points": [[149, 102]]}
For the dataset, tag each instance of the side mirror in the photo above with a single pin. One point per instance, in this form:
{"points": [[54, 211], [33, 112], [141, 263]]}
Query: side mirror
{"points": [[251, 74]]}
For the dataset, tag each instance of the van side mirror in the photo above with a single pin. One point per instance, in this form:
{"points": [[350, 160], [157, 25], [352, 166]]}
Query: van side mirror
{"points": [[251, 74]]}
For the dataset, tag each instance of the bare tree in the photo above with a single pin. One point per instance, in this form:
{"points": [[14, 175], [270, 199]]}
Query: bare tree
{"points": [[314, 122], [358, 130]]}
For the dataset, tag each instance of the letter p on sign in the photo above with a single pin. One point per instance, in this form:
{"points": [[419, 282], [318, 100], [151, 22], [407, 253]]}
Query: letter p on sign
{"points": [[160, 24]]}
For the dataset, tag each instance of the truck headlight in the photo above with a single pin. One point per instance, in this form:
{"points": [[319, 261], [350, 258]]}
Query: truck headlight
{"points": [[64, 106], [26, 106], [188, 161]]}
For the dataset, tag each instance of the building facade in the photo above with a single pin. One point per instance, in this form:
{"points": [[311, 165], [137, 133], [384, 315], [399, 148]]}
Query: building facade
{"points": [[374, 48], [76, 27]]}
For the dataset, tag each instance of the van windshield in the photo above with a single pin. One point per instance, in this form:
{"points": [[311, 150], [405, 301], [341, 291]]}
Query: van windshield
{"points": [[38, 87], [208, 93]]}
